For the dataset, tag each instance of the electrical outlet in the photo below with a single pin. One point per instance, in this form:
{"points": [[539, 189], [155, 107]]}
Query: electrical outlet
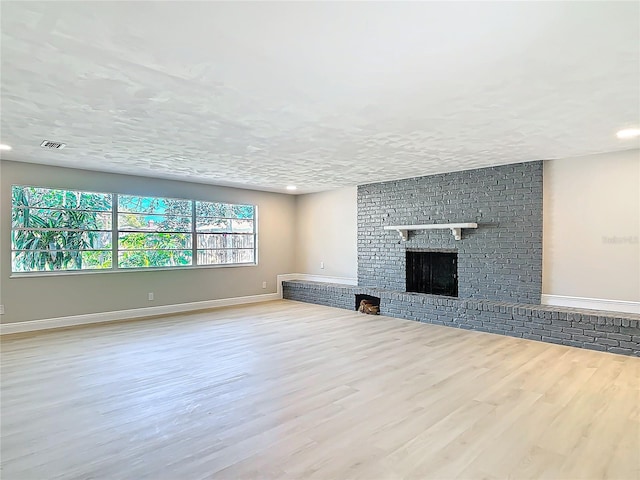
{"points": [[264, 284], [321, 264], [1, 309], [150, 296]]}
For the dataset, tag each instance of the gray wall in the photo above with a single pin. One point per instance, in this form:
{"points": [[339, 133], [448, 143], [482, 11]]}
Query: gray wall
{"points": [[326, 233], [31, 298], [501, 260]]}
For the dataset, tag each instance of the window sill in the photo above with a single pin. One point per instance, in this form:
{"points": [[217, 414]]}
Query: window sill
{"points": [[124, 270]]}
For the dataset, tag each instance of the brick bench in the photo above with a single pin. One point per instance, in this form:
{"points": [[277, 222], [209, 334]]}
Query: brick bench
{"points": [[613, 332]]}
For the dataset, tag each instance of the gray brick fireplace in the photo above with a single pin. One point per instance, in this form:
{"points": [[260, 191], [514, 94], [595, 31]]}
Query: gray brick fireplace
{"points": [[499, 263], [500, 260]]}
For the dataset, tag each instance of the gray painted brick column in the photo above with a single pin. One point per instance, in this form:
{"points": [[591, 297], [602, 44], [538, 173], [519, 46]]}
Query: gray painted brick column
{"points": [[501, 260]]}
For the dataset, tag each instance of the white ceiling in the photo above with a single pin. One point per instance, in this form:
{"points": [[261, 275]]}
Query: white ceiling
{"points": [[319, 95]]}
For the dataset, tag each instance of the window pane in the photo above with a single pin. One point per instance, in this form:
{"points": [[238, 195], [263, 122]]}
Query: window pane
{"points": [[243, 241], [242, 256], [225, 257], [212, 240], [211, 209], [158, 216], [242, 226], [153, 258], [243, 211], [224, 210], [213, 225], [153, 223], [212, 257], [46, 218], [55, 198], [56, 229], [216, 240], [59, 240], [45, 261], [226, 233], [147, 241], [153, 205]]}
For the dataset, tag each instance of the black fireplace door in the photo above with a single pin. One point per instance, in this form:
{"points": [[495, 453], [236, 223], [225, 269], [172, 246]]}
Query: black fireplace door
{"points": [[432, 272]]}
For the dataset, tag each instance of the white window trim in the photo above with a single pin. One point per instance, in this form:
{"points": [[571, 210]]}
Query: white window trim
{"points": [[115, 231]]}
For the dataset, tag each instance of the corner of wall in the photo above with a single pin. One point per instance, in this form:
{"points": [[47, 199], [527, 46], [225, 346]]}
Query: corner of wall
{"points": [[326, 233]]}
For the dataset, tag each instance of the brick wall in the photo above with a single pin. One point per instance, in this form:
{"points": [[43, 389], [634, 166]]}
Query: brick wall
{"points": [[605, 331], [501, 260], [499, 264]]}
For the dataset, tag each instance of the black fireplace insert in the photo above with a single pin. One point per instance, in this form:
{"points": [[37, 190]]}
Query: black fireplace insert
{"points": [[432, 272]]}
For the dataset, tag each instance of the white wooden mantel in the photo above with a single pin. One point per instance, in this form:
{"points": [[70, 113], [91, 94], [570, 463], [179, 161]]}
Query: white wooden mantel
{"points": [[456, 228]]}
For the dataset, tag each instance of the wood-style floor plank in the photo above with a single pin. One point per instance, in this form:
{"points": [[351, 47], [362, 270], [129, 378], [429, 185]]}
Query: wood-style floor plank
{"points": [[290, 390]]}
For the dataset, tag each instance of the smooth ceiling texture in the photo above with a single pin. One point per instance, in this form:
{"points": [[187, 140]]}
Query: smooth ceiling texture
{"points": [[320, 95]]}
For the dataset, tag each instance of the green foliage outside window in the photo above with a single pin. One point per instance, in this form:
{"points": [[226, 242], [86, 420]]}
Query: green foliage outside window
{"points": [[55, 229], [59, 230], [154, 232]]}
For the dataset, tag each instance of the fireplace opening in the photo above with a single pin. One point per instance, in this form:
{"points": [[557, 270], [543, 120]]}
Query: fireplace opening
{"points": [[432, 272], [369, 299]]}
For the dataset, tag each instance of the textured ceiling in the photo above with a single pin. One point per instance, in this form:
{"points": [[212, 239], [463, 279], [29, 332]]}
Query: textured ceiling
{"points": [[319, 95]]}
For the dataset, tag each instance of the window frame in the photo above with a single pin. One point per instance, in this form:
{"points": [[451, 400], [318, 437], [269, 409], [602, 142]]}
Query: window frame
{"points": [[253, 232], [115, 236], [116, 243]]}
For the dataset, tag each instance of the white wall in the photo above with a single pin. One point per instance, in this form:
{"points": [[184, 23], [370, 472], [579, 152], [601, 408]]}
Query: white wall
{"points": [[591, 227], [590, 238], [40, 297], [327, 229]]}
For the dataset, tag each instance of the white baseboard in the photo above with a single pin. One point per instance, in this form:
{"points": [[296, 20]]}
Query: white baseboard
{"points": [[591, 303], [75, 320], [101, 317], [312, 278]]}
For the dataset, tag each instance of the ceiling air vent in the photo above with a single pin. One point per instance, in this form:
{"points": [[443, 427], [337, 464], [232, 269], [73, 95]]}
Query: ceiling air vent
{"points": [[52, 145]]}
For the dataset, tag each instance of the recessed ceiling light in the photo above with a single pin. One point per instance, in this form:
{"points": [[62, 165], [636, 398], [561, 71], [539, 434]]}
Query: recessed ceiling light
{"points": [[291, 187], [628, 133], [4, 147]]}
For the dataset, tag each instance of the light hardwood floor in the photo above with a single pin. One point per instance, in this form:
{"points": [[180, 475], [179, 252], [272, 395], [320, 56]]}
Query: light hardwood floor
{"points": [[293, 390]]}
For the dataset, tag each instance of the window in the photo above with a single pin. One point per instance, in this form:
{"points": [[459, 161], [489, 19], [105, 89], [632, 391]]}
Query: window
{"points": [[154, 232], [226, 233], [58, 230]]}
